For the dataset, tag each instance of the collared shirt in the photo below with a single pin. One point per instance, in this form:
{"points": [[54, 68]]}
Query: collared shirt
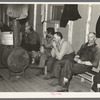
{"points": [[31, 41], [64, 44], [63, 47], [31, 38], [90, 53]]}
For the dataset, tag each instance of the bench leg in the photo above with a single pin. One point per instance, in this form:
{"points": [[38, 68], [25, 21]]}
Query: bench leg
{"points": [[98, 87], [45, 70], [82, 79]]}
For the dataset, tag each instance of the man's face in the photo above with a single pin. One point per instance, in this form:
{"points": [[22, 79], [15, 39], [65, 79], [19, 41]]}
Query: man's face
{"points": [[91, 38], [49, 35], [56, 38], [27, 29]]}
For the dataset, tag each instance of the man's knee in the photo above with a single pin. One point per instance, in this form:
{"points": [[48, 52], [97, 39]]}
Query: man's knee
{"points": [[56, 63], [67, 62], [43, 56], [50, 63]]}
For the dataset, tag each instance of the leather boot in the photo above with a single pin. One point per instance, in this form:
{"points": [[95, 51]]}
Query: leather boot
{"points": [[40, 72]]}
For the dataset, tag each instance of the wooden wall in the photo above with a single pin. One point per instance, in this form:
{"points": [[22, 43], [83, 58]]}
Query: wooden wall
{"points": [[79, 27], [94, 18], [39, 25]]}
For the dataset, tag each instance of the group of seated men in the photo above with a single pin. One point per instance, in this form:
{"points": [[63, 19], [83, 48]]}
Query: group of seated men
{"points": [[62, 63], [59, 56]]}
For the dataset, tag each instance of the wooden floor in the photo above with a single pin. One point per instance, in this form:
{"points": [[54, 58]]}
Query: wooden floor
{"points": [[32, 83]]}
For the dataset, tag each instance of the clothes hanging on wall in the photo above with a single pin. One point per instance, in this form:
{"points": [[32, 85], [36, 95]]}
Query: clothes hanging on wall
{"points": [[98, 28], [43, 13], [70, 12], [18, 11]]}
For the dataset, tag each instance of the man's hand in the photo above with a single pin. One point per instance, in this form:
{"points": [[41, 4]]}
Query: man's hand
{"points": [[79, 61], [54, 44], [76, 58], [42, 50]]}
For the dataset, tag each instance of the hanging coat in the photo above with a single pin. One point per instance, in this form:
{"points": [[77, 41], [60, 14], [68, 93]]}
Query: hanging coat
{"points": [[70, 12], [98, 28], [18, 11]]}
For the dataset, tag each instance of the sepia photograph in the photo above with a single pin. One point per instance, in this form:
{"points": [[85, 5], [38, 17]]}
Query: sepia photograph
{"points": [[50, 49]]}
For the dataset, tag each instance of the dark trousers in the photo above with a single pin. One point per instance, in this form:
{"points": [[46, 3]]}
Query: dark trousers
{"points": [[54, 65], [43, 58], [73, 68], [96, 80]]}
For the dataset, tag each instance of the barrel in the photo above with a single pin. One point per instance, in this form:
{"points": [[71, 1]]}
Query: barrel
{"points": [[16, 59]]}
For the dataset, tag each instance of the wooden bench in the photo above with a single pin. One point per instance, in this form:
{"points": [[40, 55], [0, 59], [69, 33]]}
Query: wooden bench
{"points": [[90, 75]]}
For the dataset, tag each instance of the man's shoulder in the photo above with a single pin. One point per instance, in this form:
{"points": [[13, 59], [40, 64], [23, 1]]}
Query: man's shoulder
{"points": [[84, 44], [66, 42], [97, 48]]}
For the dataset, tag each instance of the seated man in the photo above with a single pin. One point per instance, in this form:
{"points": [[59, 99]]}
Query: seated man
{"points": [[45, 48], [96, 81], [30, 40], [62, 50], [87, 58]]}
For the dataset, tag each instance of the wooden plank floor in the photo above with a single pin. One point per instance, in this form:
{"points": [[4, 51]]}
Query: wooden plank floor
{"points": [[32, 83]]}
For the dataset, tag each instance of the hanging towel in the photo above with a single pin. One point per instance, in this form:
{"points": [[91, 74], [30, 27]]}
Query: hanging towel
{"points": [[98, 28], [43, 13], [70, 12], [18, 11]]}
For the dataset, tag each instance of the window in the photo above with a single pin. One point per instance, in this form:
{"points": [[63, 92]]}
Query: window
{"points": [[56, 12]]}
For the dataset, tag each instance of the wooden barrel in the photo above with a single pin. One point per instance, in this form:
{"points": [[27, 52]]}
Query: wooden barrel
{"points": [[15, 59]]}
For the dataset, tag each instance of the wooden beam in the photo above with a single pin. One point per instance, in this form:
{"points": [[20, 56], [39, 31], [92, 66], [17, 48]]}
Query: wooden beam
{"points": [[88, 22], [70, 31], [46, 17], [35, 16], [16, 33]]}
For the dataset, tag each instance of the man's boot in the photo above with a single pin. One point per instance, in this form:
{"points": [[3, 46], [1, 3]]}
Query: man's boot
{"points": [[40, 72]]}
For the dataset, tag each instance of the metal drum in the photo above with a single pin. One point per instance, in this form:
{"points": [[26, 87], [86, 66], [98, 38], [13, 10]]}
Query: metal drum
{"points": [[15, 59]]}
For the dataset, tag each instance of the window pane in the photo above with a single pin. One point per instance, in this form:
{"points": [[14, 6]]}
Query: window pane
{"points": [[57, 12]]}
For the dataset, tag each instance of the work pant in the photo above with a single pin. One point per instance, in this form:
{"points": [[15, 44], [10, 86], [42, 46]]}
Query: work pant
{"points": [[72, 68], [54, 65], [96, 80], [44, 57]]}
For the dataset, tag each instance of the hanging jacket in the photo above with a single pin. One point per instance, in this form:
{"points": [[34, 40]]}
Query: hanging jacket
{"points": [[18, 11], [98, 28], [70, 12]]}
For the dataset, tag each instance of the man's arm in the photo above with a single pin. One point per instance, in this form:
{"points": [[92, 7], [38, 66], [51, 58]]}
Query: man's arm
{"points": [[84, 62], [53, 52], [47, 45], [95, 59], [61, 53]]}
